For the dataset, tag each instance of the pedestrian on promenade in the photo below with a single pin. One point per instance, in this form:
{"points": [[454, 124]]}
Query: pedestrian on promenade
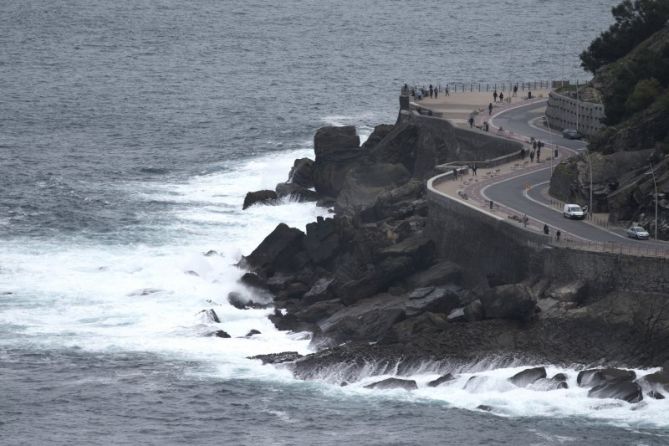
{"points": [[522, 154], [501, 97], [525, 220], [474, 168], [446, 90], [538, 152], [534, 144], [556, 153], [515, 90], [546, 230], [532, 156], [529, 94], [436, 93], [471, 122], [486, 126], [557, 235], [455, 173], [490, 108], [431, 90], [494, 96]]}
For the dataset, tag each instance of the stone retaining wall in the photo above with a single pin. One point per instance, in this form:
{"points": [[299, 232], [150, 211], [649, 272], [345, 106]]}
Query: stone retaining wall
{"points": [[561, 114]]}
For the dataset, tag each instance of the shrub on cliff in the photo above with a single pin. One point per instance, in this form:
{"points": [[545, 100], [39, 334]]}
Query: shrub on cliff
{"points": [[645, 92], [635, 21]]}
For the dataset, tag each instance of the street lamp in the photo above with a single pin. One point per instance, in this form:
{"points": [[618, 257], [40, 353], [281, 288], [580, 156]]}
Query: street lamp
{"points": [[587, 153], [652, 172]]}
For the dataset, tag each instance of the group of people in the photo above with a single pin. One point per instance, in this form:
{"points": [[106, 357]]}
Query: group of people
{"points": [[422, 92]]}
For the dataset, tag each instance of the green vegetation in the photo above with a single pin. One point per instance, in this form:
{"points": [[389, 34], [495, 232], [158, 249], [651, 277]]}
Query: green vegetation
{"points": [[635, 21], [644, 94]]}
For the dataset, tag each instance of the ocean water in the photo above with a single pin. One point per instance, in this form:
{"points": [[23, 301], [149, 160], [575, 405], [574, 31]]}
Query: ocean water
{"points": [[130, 132]]}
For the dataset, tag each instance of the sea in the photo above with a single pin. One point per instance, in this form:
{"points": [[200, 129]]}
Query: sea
{"points": [[130, 131]]}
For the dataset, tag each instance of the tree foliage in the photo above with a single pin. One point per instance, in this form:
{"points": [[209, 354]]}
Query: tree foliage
{"points": [[645, 92], [635, 21]]}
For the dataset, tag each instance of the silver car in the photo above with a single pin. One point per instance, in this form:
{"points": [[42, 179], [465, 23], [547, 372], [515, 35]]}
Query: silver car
{"points": [[638, 233]]}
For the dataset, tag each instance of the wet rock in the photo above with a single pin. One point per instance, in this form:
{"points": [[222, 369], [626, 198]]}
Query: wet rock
{"points": [[252, 332], [442, 379], [220, 334], [319, 311], [424, 326], [302, 173], [512, 301], [474, 311], [420, 249], [331, 139], [318, 292], [420, 292], [621, 390], [280, 251], [484, 407], [439, 300], [337, 152], [277, 358], [655, 395], [658, 380], [295, 290], [559, 377], [474, 382], [145, 292], [261, 196], [365, 182], [596, 377], [209, 316], [457, 315], [528, 376], [389, 270], [211, 253], [192, 273], [253, 280], [238, 301], [380, 132], [394, 383], [296, 192], [322, 241]]}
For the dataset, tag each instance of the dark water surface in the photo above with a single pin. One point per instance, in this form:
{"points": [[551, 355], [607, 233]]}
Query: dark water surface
{"points": [[129, 133]]}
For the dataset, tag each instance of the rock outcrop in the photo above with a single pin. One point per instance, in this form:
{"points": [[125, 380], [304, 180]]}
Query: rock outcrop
{"points": [[261, 196]]}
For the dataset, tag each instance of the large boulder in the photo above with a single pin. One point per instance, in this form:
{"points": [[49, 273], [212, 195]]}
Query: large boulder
{"points": [[364, 183], [277, 358], [261, 196], [336, 151], [393, 383], [330, 139], [281, 250], [528, 376], [621, 390], [512, 301], [387, 271], [658, 380], [322, 241], [302, 173], [319, 291], [380, 132], [596, 377], [319, 311], [296, 192], [442, 379], [437, 300], [419, 249], [441, 273]]}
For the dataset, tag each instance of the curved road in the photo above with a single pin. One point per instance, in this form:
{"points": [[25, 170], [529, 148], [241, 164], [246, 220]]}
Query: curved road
{"points": [[511, 192]]}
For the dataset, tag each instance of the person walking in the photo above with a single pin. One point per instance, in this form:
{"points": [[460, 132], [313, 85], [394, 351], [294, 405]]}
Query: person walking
{"points": [[556, 153], [490, 109], [546, 230], [494, 96], [471, 122], [455, 173], [522, 154], [501, 97], [515, 90], [525, 220], [557, 235], [436, 93], [532, 156], [446, 90], [538, 153], [474, 169], [534, 144]]}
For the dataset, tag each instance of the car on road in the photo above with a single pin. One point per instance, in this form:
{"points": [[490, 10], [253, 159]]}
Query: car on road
{"points": [[638, 233], [573, 211], [571, 134]]}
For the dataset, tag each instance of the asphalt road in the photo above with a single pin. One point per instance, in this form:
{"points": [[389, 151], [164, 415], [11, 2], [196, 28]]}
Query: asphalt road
{"points": [[510, 192]]}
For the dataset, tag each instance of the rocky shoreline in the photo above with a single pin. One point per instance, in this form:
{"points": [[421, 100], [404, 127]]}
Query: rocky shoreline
{"points": [[371, 288]]}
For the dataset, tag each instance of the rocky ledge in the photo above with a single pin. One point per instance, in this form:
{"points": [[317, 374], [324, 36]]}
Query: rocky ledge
{"points": [[370, 287]]}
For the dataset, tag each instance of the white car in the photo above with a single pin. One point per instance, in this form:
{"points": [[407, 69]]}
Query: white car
{"points": [[573, 211], [638, 233]]}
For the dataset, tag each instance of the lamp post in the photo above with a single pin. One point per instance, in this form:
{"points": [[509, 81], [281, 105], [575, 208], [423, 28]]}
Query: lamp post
{"points": [[577, 106], [652, 172], [587, 154]]}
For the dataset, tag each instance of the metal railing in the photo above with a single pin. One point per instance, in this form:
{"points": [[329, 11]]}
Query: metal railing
{"points": [[501, 86]]}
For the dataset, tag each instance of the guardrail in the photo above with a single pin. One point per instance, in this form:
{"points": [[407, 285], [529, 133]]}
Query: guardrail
{"points": [[501, 86]]}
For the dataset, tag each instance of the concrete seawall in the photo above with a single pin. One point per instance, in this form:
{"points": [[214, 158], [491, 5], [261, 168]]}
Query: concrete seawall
{"points": [[501, 251]]}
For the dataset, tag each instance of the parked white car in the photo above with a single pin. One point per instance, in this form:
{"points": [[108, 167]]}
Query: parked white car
{"points": [[573, 211], [638, 233]]}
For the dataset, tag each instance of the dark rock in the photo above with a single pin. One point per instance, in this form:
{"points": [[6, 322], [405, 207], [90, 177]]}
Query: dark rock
{"points": [[253, 280], [295, 290], [220, 334], [296, 192], [290, 322], [596, 377], [279, 282], [439, 300], [424, 326], [210, 253], [389, 270], [474, 311], [280, 251], [621, 390], [658, 380], [322, 240], [380, 132], [210, 316], [252, 332], [559, 377], [261, 196], [364, 183], [441, 273], [302, 173], [330, 139], [192, 273], [394, 383], [238, 301], [145, 292], [576, 292], [484, 407], [655, 395], [442, 379], [277, 358], [474, 382], [528, 376], [326, 202], [420, 293], [457, 315], [420, 249], [509, 302], [318, 292], [319, 311]]}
